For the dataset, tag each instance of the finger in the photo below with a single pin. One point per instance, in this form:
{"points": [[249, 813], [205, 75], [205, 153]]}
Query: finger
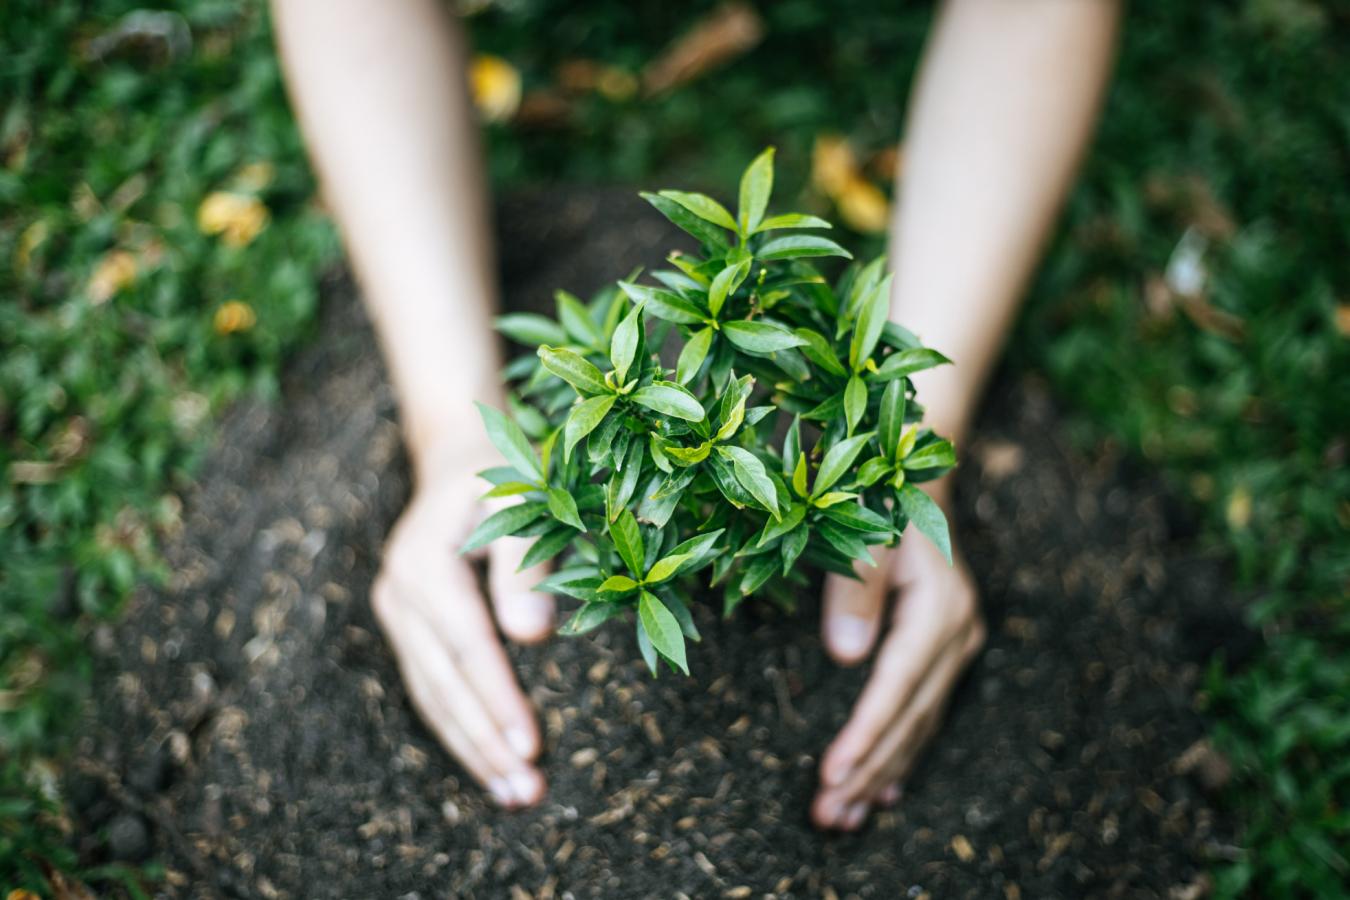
{"points": [[524, 614], [851, 613], [511, 776], [407, 633], [896, 750], [889, 795], [466, 632], [906, 654]]}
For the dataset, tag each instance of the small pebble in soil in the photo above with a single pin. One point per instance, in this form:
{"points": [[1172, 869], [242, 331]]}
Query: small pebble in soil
{"points": [[128, 838]]}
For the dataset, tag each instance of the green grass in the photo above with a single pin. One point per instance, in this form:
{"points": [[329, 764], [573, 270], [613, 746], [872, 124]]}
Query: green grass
{"points": [[1232, 118]]}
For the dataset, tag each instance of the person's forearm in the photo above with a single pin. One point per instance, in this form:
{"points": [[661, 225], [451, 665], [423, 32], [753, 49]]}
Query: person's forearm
{"points": [[1002, 109], [379, 89]]}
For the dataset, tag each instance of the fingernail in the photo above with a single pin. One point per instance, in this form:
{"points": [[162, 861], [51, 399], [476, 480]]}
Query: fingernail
{"points": [[849, 634], [519, 740], [524, 786], [853, 816], [531, 612], [500, 789], [831, 810]]}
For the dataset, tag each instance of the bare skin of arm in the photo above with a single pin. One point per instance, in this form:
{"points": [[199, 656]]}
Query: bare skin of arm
{"points": [[380, 93], [1002, 110]]}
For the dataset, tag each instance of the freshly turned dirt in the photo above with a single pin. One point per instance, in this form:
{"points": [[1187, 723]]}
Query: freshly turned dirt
{"points": [[249, 729]]}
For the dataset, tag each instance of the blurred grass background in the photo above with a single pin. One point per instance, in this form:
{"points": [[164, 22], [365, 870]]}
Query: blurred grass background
{"points": [[161, 245]]}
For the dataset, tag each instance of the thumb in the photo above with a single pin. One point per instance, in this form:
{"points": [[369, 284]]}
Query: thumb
{"points": [[525, 615], [852, 613]]}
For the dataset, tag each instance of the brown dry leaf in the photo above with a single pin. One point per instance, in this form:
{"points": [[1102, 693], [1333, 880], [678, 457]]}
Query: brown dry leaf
{"points": [[22, 894], [887, 163], [544, 109], [496, 87], [115, 271], [580, 76], [234, 316], [237, 218], [721, 36], [863, 206]]}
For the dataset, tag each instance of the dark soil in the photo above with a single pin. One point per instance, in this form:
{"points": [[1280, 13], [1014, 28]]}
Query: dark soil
{"points": [[250, 730]]}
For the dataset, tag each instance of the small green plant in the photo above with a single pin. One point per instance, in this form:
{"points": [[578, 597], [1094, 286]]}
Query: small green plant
{"points": [[785, 432]]}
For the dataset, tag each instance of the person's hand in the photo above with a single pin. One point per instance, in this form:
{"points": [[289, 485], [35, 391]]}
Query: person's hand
{"points": [[937, 630], [427, 600]]}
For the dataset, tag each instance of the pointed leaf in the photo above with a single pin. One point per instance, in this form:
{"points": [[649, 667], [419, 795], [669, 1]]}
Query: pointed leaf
{"points": [[583, 419], [693, 354], [816, 348], [670, 399], [725, 284], [891, 421], [855, 402], [799, 246], [756, 186], [564, 508], [504, 522], [704, 231], [907, 362], [549, 545], [627, 538], [575, 369], [589, 617], [576, 321], [511, 442], [704, 207], [666, 567], [623, 345], [925, 515], [752, 476], [617, 584], [837, 462], [791, 220], [760, 337], [530, 329], [664, 304], [663, 629], [937, 455], [876, 307]]}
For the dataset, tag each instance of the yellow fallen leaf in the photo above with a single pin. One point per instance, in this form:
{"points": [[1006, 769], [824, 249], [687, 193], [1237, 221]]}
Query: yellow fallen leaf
{"points": [[237, 218], [29, 241], [115, 271], [863, 206], [496, 88], [1239, 509], [833, 164], [21, 894], [234, 316]]}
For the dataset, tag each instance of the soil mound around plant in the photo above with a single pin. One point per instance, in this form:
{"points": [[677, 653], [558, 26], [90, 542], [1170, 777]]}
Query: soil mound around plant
{"points": [[249, 729]]}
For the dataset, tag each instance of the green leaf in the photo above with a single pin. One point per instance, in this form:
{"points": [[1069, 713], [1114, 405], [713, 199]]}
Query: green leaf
{"points": [[800, 245], [704, 207], [855, 402], [549, 545], [511, 442], [666, 567], [617, 584], [907, 362], [511, 489], [870, 472], [830, 498], [705, 231], [589, 617], [937, 455], [627, 538], [530, 329], [759, 570], [725, 284], [577, 322], [791, 220], [664, 304], [756, 186], [680, 611], [837, 461], [891, 421], [583, 419], [859, 518], [564, 508], [846, 541], [816, 348], [688, 456], [504, 522], [696, 547], [663, 629], [693, 354], [670, 399], [575, 369], [876, 307], [799, 475], [648, 651], [760, 337], [752, 476], [794, 542], [792, 445], [925, 515], [623, 345], [776, 529]]}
